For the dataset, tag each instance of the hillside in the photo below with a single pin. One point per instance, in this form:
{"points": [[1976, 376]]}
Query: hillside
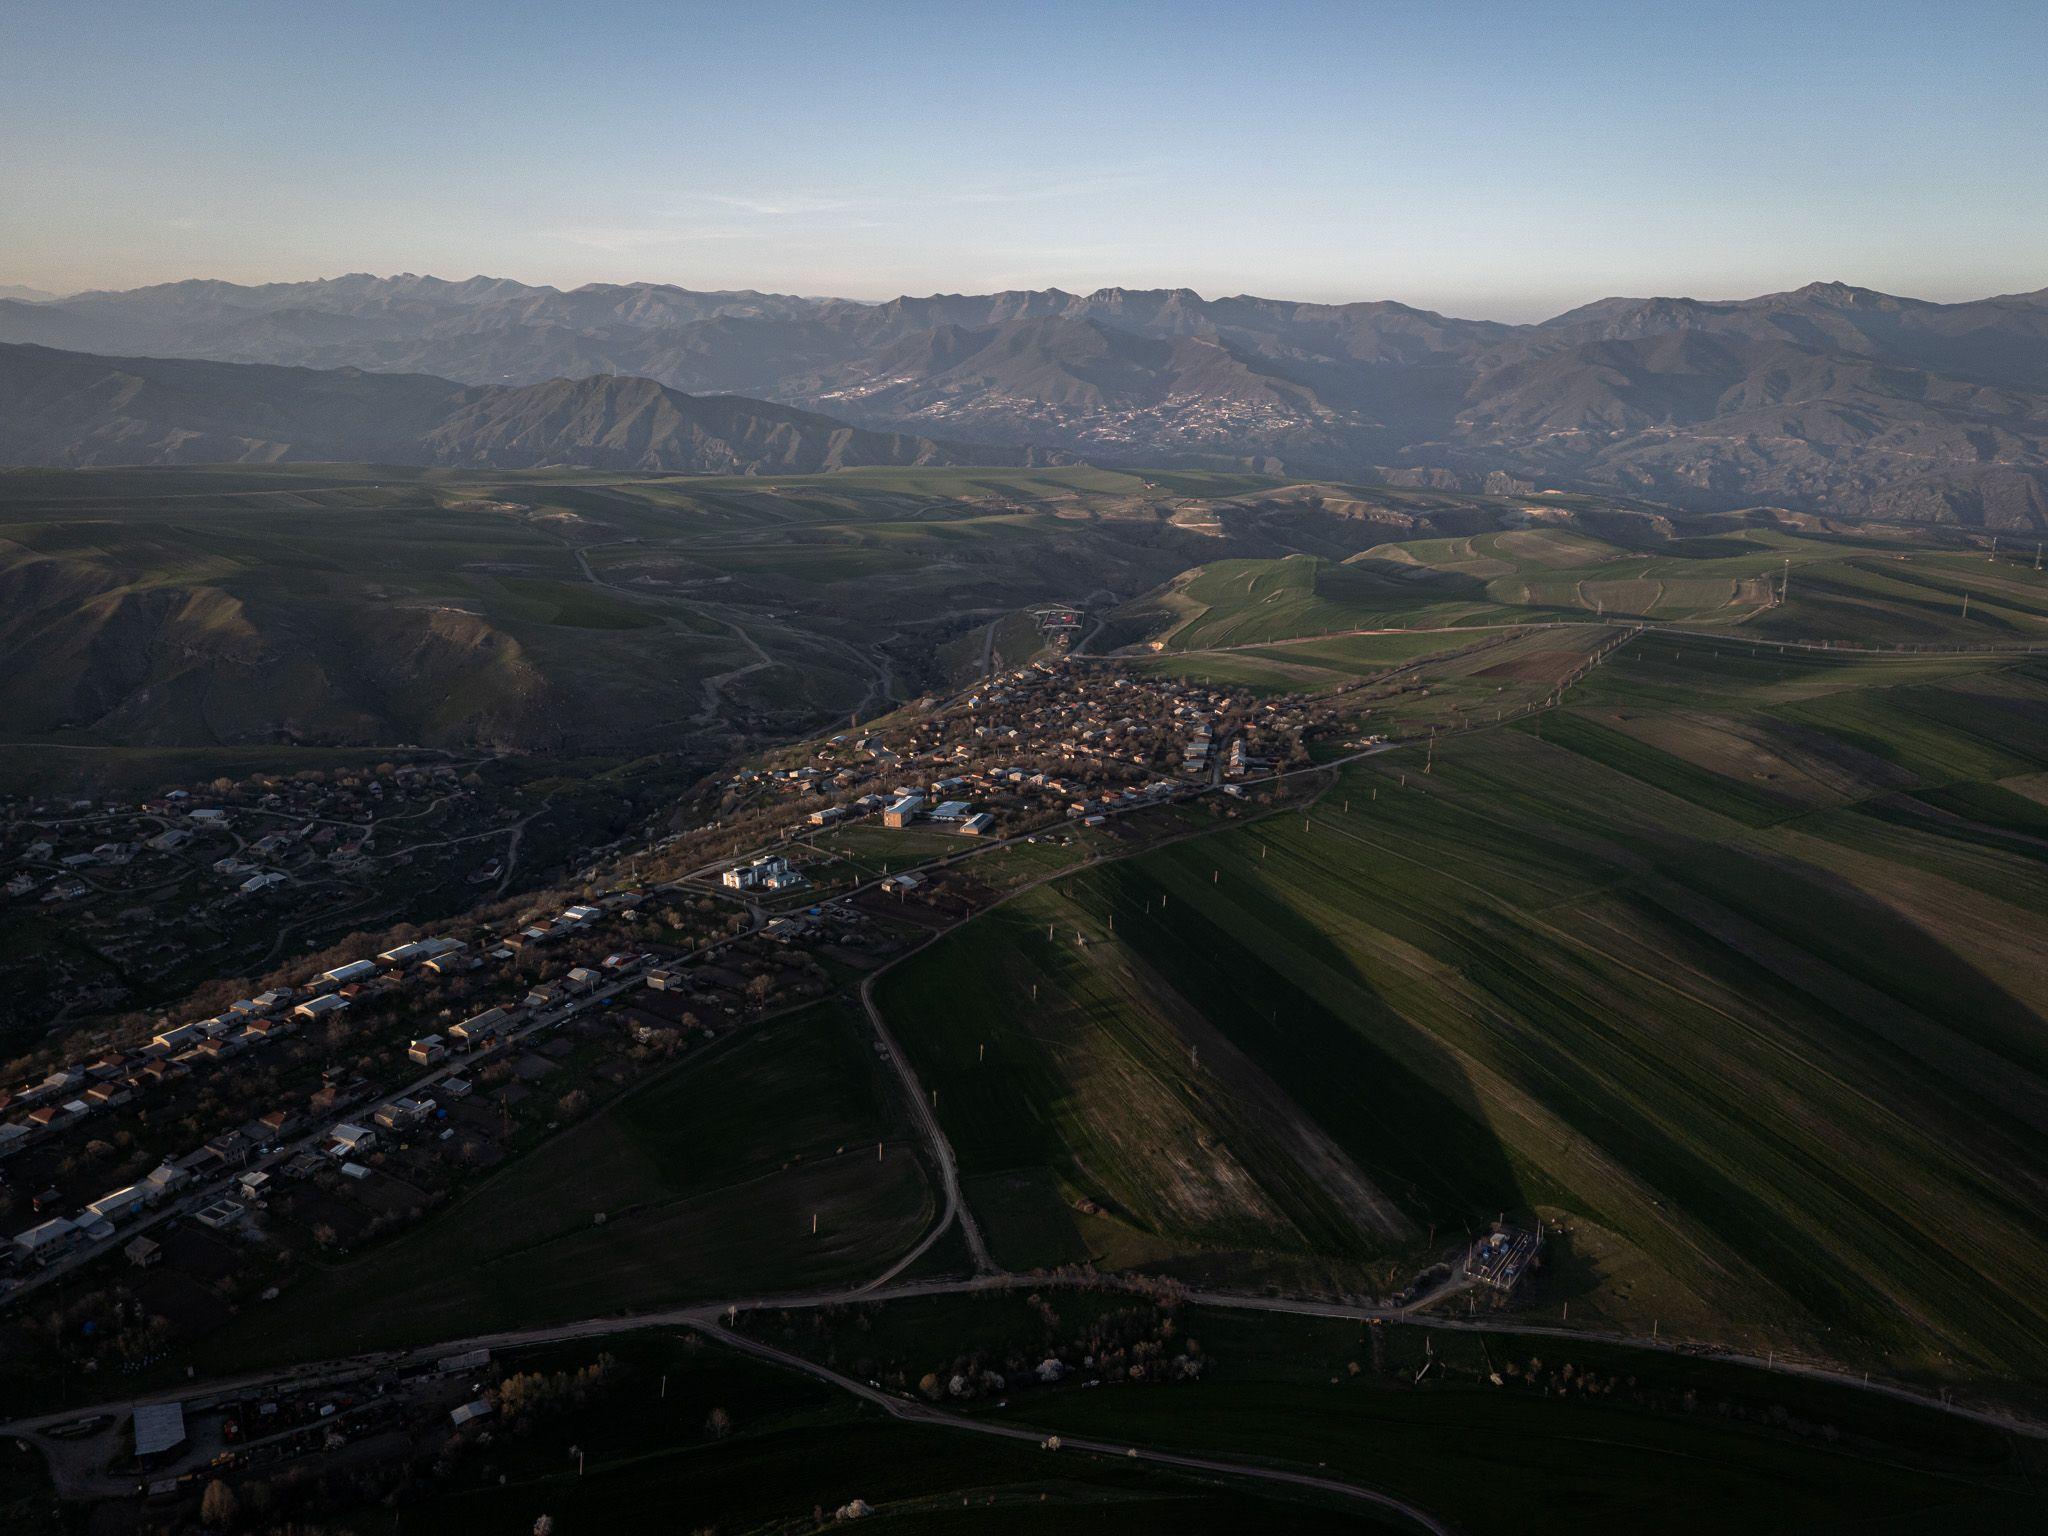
{"points": [[1827, 398], [555, 611], [76, 410]]}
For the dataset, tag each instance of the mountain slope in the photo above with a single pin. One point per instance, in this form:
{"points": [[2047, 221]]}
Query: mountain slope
{"points": [[73, 410], [1827, 398]]}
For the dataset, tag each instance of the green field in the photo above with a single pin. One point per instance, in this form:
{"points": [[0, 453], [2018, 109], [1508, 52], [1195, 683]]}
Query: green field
{"points": [[1304, 666], [1870, 589], [706, 1180], [797, 1445], [1715, 967], [1614, 1447], [1610, 1439]]}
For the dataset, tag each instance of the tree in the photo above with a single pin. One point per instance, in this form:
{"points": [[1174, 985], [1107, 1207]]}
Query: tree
{"points": [[719, 1424], [218, 1508]]}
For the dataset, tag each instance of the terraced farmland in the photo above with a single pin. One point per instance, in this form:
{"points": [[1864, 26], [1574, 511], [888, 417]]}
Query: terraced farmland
{"points": [[1720, 966]]}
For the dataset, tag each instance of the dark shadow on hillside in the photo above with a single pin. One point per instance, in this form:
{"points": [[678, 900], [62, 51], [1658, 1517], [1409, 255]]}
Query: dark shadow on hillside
{"points": [[1430, 1150]]}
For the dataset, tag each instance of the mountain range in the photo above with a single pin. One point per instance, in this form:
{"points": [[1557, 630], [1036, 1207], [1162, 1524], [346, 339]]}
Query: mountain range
{"points": [[1828, 398], [78, 410]]}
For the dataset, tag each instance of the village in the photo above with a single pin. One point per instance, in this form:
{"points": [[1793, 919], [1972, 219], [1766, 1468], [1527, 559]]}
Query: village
{"points": [[1056, 742], [162, 1182], [213, 877]]}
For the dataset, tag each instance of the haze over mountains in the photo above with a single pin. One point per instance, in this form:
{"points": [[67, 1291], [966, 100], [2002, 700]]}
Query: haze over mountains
{"points": [[1830, 398]]}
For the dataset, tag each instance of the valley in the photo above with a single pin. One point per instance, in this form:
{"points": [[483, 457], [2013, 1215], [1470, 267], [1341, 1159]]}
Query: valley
{"points": [[1357, 870]]}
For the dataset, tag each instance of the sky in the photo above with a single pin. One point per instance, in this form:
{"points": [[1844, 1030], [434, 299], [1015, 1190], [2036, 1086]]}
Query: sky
{"points": [[1505, 161]]}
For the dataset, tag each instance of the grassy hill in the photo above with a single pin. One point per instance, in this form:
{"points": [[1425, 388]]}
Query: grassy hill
{"points": [[1874, 587], [344, 605], [1732, 967]]}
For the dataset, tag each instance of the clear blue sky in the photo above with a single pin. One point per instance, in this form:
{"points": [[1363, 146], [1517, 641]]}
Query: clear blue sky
{"points": [[1504, 160]]}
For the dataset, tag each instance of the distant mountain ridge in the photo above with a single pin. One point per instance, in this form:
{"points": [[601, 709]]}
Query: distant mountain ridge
{"points": [[1828, 397], [77, 410]]}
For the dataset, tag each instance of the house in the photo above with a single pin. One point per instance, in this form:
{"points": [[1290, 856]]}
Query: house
{"points": [[342, 975], [253, 1183], [270, 880], [321, 1006], [582, 979], [143, 1252], [122, 1203], [581, 914], [977, 825], [277, 1125], [221, 1215], [159, 1427], [166, 1176], [157, 1073], [171, 1041], [469, 1413], [43, 1243], [483, 1027], [420, 949], [347, 1140], [402, 1113], [427, 1050], [903, 882], [903, 812]]}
